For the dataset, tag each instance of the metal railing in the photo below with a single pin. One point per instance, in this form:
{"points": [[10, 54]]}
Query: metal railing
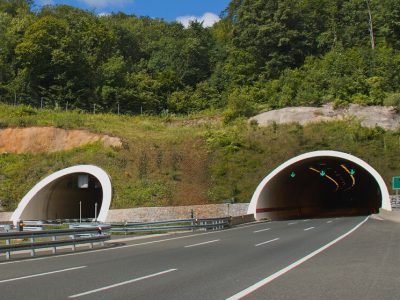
{"points": [[174, 225], [33, 240]]}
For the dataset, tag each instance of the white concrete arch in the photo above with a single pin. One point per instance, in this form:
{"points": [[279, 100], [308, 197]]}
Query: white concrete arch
{"points": [[254, 207], [101, 177]]}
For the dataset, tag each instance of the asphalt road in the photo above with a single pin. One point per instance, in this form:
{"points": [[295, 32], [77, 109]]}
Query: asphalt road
{"points": [[216, 265]]}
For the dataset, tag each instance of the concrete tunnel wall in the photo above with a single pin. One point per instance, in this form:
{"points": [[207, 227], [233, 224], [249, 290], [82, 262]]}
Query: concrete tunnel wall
{"points": [[58, 196], [280, 196]]}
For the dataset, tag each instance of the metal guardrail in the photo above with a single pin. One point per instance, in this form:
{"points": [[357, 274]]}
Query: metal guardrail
{"points": [[71, 237], [174, 225]]}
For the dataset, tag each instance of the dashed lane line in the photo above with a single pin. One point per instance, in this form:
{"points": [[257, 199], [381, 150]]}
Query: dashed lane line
{"points": [[261, 230], [309, 228], [200, 244], [267, 242], [121, 283], [41, 274]]}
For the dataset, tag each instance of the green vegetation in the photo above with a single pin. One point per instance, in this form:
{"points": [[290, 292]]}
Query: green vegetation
{"points": [[260, 55], [182, 93], [179, 161]]}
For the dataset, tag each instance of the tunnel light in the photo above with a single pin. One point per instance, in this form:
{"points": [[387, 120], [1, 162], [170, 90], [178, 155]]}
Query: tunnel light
{"points": [[323, 174], [83, 181], [351, 173]]}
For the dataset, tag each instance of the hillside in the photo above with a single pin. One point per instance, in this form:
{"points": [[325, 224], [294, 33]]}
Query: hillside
{"points": [[173, 160]]}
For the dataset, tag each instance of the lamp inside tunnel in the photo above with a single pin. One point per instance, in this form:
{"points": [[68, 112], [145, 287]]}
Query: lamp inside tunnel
{"points": [[320, 184]]}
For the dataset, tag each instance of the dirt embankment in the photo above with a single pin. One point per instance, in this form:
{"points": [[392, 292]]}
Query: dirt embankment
{"points": [[49, 139]]}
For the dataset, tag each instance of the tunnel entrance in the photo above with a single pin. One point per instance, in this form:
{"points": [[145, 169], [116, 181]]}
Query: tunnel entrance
{"points": [[320, 184], [80, 191], [65, 197]]}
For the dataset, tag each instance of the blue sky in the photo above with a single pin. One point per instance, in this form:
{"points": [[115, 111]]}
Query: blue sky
{"points": [[169, 10]]}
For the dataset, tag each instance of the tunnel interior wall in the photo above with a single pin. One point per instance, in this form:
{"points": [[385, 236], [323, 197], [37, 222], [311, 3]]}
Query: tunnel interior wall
{"points": [[308, 194]]}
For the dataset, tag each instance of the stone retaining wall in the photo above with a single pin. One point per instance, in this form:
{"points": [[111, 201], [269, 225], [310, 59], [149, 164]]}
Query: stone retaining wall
{"points": [[152, 214]]}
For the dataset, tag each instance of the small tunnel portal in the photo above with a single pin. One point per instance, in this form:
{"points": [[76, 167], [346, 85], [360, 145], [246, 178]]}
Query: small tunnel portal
{"points": [[79, 191], [65, 197], [318, 186]]}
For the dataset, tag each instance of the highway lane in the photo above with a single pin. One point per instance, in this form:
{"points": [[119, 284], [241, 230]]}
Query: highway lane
{"points": [[365, 266], [214, 265]]}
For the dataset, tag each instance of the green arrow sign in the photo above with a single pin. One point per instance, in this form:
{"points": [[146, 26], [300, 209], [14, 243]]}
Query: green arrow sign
{"points": [[352, 172], [322, 173], [293, 174]]}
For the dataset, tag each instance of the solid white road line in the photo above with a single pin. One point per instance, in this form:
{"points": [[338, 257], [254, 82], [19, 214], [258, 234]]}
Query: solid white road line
{"points": [[329, 222], [292, 223], [261, 230], [267, 280], [121, 283], [199, 244], [41, 274], [267, 242], [309, 228]]}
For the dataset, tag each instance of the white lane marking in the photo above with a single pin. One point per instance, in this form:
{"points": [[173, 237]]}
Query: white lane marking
{"points": [[121, 283], [292, 223], [267, 242], [267, 280], [126, 246], [309, 228], [306, 220], [261, 230], [41, 274], [199, 244], [329, 222]]}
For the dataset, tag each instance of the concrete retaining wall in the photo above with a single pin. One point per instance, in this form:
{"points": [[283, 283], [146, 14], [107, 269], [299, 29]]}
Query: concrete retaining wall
{"points": [[152, 214], [393, 216]]}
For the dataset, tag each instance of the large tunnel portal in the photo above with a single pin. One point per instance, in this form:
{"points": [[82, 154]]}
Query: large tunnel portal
{"points": [[78, 192], [320, 184]]}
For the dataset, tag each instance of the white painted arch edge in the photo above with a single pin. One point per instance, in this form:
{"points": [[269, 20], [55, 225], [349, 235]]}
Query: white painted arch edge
{"points": [[97, 172], [381, 183]]}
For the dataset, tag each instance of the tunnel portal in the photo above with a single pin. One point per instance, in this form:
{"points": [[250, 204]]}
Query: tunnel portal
{"points": [[80, 191], [320, 184]]}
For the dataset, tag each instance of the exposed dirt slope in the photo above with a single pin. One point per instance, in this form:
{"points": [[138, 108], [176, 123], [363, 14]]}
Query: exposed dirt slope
{"points": [[369, 116], [49, 139]]}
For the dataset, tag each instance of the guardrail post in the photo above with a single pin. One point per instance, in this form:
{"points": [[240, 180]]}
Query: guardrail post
{"points": [[32, 239], [73, 241], [8, 253], [53, 238]]}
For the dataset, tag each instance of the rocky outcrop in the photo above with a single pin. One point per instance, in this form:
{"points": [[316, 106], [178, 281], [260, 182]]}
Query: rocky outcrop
{"points": [[369, 116], [49, 139]]}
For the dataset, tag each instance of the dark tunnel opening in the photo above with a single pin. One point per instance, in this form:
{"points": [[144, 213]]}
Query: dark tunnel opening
{"points": [[320, 187], [68, 197]]}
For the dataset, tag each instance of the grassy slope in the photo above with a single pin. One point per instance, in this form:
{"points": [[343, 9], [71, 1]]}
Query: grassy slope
{"points": [[178, 161]]}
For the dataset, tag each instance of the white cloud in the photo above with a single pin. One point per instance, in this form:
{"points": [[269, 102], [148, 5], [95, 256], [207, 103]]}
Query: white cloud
{"points": [[104, 3], [208, 19], [104, 14], [45, 2]]}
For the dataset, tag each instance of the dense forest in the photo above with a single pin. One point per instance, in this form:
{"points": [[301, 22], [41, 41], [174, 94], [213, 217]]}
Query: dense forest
{"points": [[262, 54]]}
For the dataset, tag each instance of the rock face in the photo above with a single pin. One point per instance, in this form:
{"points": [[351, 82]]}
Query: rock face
{"points": [[49, 139], [369, 116]]}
